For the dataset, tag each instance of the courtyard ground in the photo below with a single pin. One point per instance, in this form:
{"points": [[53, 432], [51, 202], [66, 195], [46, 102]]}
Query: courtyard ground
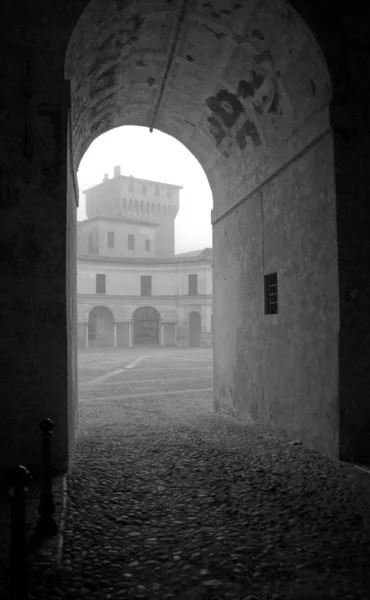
{"points": [[168, 499]]}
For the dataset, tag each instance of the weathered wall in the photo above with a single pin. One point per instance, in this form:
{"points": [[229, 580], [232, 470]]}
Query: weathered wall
{"points": [[281, 371]]}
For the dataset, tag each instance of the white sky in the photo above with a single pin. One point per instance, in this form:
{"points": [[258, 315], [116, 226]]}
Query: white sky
{"points": [[154, 156]]}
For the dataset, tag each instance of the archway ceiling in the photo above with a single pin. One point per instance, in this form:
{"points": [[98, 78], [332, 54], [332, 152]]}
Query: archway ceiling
{"points": [[244, 76]]}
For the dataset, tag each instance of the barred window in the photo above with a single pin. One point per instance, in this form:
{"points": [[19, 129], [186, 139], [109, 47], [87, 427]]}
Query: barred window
{"points": [[271, 294]]}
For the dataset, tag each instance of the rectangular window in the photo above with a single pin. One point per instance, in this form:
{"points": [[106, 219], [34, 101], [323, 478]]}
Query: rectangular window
{"points": [[131, 241], [100, 283], [169, 192], [91, 248], [143, 188], [146, 285], [271, 294], [193, 285], [130, 186], [156, 189], [110, 239], [147, 245]]}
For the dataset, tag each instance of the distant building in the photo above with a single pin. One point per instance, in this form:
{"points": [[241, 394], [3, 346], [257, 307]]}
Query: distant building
{"points": [[132, 288]]}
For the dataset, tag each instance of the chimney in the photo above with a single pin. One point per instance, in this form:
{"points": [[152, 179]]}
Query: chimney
{"points": [[117, 171], [105, 177]]}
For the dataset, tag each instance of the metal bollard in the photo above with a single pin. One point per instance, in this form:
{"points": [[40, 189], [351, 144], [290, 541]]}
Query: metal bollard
{"points": [[18, 481], [46, 526]]}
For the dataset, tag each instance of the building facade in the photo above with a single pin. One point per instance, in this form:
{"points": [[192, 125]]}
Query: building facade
{"points": [[132, 289]]}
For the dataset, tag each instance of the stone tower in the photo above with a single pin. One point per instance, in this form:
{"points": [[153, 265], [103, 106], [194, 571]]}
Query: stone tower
{"points": [[140, 199]]}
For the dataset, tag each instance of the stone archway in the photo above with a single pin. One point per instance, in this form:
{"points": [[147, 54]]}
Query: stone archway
{"points": [[195, 328], [101, 326], [277, 211], [247, 91], [146, 321]]}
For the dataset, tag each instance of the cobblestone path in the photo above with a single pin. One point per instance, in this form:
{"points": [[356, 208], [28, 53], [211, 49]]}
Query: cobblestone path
{"points": [[169, 500]]}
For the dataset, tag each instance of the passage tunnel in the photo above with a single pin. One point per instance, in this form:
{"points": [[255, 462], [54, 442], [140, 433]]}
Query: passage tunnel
{"points": [[244, 86]]}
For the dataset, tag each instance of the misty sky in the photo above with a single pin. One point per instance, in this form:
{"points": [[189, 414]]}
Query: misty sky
{"points": [[154, 156]]}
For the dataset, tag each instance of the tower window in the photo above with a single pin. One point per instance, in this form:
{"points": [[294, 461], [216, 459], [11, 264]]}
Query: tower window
{"points": [[147, 245], [91, 246], [271, 294], [100, 283], [110, 239], [131, 241], [146, 285], [193, 285]]}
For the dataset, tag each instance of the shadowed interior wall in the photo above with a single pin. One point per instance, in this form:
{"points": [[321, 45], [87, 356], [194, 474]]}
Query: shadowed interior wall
{"points": [[71, 409]]}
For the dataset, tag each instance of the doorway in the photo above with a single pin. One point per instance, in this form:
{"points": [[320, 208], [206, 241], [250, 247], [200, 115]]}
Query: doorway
{"points": [[146, 326]]}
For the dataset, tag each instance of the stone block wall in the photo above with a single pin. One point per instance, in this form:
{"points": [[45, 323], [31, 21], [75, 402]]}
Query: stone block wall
{"points": [[281, 371]]}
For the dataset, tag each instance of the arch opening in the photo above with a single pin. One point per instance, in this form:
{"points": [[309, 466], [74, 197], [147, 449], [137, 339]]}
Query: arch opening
{"points": [[101, 326], [252, 105], [146, 320]]}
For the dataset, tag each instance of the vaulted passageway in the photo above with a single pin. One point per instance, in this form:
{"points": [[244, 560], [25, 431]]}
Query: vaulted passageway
{"points": [[245, 86], [247, 92]]}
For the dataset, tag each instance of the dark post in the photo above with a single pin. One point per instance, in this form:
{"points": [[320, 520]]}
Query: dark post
{"points": [[18, 482], [46, 526]]}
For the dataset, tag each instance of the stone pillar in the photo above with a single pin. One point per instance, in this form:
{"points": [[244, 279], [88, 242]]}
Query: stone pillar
{"points": [[115, 335], [161, 335], [130, 344], [86, 335]]}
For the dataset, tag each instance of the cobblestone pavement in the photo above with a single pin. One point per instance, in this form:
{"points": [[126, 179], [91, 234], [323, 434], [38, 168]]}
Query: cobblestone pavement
{"points": [[169, 500]]}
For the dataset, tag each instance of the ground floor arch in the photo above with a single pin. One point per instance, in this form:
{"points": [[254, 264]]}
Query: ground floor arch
{"points": [[101, 326], [146, 323]]}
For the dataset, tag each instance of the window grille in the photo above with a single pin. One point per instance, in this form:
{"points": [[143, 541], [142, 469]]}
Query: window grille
{"points": [[271, 294]]}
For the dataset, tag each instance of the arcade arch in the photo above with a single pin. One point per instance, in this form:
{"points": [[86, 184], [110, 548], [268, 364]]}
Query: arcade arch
{"points": [[146, 321], [101, 326]]}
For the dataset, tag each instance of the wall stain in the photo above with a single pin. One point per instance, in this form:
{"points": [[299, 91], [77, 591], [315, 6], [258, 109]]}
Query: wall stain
{"points": [[247, 89], [249, 129], [216, 130], [227, 106]]}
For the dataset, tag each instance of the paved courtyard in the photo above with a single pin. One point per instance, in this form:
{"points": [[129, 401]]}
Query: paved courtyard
{"points": [[169, 500]]}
